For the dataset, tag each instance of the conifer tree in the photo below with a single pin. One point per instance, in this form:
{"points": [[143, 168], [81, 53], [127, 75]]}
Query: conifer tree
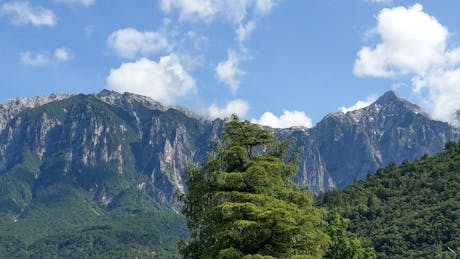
{"points": [[242, 202]]}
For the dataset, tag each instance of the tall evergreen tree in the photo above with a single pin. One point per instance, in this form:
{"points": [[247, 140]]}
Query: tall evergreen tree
{"points": [[242, 202]]}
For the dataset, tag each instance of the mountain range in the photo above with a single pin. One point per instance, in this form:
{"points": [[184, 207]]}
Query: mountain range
{"points": [[74, 169], [138, 138]]}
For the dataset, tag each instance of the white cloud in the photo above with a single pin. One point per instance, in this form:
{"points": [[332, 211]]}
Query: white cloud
{"points": [[37, 59], [286, 120], [198, 40], [414, 43], [244, 31], [263, 7], [207, 10], [62, 55], [82, 2], [43, 58], [443, 93], [130, 43], [243, 16], [202, 9], [22, 13], [164, 81], [228, 71], [239, 107], [358, 105]]}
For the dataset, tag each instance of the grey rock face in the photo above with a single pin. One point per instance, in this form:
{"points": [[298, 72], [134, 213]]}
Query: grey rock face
{"points": [[349, 146], [108, 141], [10, 108]]}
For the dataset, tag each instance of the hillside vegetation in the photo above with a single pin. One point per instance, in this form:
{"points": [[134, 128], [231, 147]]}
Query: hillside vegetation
{"points": [[410, 210]]}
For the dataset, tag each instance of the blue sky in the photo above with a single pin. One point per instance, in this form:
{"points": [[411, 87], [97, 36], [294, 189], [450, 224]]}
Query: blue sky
{"points": [[276, 62]]}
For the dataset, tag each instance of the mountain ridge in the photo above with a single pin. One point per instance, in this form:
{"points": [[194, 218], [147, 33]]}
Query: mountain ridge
{"points": [[369, 132]]}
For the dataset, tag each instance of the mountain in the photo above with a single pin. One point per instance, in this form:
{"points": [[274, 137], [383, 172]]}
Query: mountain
{"points": [[75, 173], [344, 147], [409, 210], [152, 143], [80, 168]]}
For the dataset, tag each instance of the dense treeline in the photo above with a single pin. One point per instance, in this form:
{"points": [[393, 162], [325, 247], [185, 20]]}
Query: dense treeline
{"points": [[410, 210]]}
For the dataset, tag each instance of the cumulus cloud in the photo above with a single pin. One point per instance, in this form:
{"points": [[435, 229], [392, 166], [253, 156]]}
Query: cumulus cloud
{"points": [[228, 71], [413, 42], [82, 2], [130, 43], [164, 81], [22, 13], [358, 105], [239, 107], [44, 58], [443, 94], [286, 120], [207, 10]]}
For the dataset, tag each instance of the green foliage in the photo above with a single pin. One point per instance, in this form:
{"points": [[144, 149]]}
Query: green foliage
{"points": [[242, 202], [64, 221], [410, 210], [345, 244]]}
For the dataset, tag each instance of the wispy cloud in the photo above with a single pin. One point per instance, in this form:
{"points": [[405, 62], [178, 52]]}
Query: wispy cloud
{"points": [[22, 13], [229, 71], [44, 58], [82, 2], [208, 10], [63, 54], [241, 15]]}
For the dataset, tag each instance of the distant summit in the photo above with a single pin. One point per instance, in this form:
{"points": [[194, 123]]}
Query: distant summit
{"points": [[391, 100], [389, 97]]}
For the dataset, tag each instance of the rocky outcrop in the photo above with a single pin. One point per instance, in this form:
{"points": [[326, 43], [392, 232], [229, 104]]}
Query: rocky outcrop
{"points": [[10, 108]]}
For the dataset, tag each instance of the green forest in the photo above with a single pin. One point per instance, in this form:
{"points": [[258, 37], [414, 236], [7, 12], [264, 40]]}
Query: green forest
{"points": [[410, 210]]}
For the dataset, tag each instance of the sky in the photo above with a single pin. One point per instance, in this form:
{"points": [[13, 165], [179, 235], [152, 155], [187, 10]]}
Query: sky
{"points": [[280, 63]]}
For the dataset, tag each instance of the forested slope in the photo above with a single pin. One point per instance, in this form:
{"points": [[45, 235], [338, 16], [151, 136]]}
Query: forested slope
{"points": [[408, 210]]}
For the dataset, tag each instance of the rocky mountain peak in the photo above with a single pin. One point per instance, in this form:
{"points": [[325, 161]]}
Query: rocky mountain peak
{"points": [[389, 97], [126, 101], [10, 108], [392, 101]]}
